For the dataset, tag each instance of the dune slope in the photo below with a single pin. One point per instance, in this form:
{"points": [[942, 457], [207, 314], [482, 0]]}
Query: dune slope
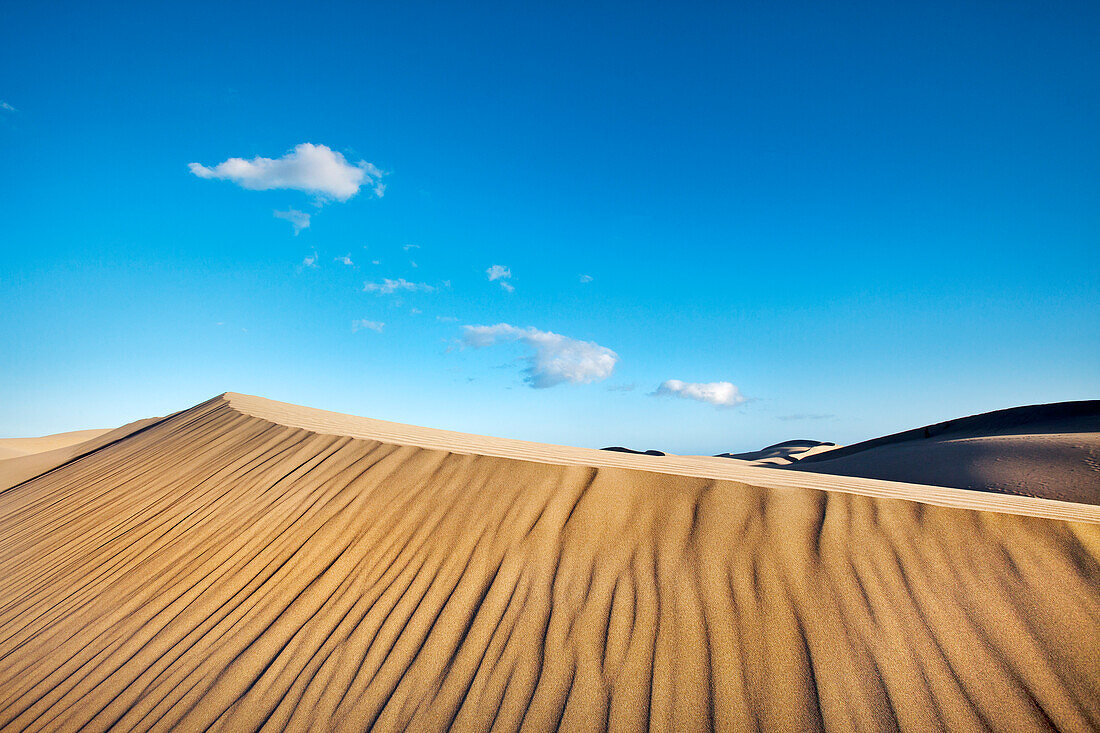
{"points": [[1050, 451], [39, 455], [242, 566], [783, 454], [15, 447]]}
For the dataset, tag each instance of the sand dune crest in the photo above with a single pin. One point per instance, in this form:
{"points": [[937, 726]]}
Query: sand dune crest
{"points": [[226, 570]]}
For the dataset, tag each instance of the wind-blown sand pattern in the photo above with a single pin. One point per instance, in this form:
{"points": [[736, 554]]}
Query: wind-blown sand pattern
{"points": [[38, 455], [249, 565]]}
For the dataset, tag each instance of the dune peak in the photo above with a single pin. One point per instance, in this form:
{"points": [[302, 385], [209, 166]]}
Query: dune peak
{"points": [[249, 564]]}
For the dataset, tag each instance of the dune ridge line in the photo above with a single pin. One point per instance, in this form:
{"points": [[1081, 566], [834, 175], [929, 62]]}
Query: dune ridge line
{"points": [[720, 469], [218, 571]]}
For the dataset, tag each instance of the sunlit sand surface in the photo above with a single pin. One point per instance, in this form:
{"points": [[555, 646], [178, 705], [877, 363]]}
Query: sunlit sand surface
{"points": [[251, 565]]}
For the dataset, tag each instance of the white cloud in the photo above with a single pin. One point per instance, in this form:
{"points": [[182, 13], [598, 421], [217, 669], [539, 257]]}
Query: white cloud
{"points": [[363, 323], [407, 247], [416, 311], [388, 286], [315, 169], [345, 260], [555, 358], [501, 273], [299, 220], [7, 107], [310, 260], [719, 394], [585, 278]]}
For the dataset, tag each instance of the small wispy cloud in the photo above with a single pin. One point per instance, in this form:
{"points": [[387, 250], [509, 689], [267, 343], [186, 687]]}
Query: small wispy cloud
{"points": [[555, 359], [719, 394], [310, 260], [7, 107], [407, 247], [314, 169], [501, 274], [388, 286], [345, 260], [585, 278], [298, 219], [363, 323]]}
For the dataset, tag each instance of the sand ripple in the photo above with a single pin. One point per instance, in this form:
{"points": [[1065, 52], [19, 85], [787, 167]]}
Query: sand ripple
{"points": [[222, 571]]}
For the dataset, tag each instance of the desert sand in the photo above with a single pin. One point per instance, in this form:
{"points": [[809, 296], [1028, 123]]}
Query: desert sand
{"points": [[247, 565], [783, 454], [15, 447], [1050, 451], [30, 457]]}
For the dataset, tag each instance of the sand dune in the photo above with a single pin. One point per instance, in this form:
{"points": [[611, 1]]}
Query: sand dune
{"points": [[1050, 451], [649, 452], [782, 454], [15, 447], [248, 565], [45, 454]]}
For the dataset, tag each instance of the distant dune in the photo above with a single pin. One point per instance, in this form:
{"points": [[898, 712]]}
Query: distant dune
{"points": [[38, 455], [1050, 451], [247, 565], [15, 447], [782, 454], [620, 449]]}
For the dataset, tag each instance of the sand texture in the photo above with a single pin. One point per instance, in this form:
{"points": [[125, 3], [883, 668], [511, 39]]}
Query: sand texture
{"points": [[1050, 451], [15, 447], [249, 565], [39, 455]]}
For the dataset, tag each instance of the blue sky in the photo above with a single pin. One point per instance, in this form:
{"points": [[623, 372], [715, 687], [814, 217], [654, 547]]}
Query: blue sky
{"points": [[864, 217]]}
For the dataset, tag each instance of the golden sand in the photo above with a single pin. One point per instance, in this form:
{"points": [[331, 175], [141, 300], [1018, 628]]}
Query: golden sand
{"points": [[248, 565]]}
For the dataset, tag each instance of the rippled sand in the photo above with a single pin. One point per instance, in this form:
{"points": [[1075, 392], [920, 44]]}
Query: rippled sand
{"points": [[249, 565]]}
